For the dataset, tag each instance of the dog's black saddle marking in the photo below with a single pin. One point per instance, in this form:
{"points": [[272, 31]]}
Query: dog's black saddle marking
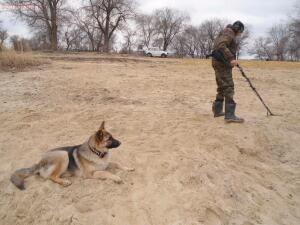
{"points": [[72, 166]]}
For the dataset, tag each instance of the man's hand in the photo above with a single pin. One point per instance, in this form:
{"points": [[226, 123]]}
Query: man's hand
{"points": [[234, 63]]}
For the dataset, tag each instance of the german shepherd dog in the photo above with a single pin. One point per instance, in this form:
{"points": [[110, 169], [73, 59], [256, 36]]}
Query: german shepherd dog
{"points": [[88, 160]]}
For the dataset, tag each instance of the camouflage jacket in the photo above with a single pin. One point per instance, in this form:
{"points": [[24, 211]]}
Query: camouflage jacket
{"points": [[226, 42]]}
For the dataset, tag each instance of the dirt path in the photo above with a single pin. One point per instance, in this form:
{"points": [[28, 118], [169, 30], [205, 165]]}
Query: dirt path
{"points": [[191, 169]]}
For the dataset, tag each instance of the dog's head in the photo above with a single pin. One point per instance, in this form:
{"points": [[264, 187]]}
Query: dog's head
{"points": [[102, 140]]}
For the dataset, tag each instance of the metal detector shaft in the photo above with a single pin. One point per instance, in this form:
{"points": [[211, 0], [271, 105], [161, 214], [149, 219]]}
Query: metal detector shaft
{"points": [[255, 91]]}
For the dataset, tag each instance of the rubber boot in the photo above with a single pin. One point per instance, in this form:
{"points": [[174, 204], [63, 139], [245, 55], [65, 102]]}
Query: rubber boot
{"points": [[230, 116], [217, 108]]}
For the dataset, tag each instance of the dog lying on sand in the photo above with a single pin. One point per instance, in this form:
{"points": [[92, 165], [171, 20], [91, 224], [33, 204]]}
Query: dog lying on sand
{"points": [[89, 160]]}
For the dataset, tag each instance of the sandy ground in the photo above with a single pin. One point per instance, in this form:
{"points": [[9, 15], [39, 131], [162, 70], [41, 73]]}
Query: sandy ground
{"points": [[191, 169]]}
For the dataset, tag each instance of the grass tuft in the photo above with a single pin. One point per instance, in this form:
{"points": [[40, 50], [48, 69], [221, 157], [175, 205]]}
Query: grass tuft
{"points": [[13, 61]]}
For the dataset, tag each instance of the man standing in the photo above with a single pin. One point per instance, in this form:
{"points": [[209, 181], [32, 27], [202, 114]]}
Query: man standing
{"points": [[224, 59]]}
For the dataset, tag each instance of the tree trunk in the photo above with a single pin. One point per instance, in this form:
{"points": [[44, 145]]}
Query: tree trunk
{"points": [[165, 46], [68, 45], [93, 45], [53, 25], [53, 37], [106, 43]]}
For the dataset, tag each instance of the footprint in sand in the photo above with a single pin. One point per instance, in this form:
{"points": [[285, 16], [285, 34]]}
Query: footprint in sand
{"points": [[32, 117], [212, 218], [247, 223]]}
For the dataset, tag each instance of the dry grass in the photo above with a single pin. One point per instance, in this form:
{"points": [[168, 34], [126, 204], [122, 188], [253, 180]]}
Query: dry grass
{"points": [[10, 60], [262, 65], [270, 65]]}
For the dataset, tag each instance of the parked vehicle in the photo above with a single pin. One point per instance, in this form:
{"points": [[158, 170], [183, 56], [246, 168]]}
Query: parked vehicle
{"points": [[156, 52]]}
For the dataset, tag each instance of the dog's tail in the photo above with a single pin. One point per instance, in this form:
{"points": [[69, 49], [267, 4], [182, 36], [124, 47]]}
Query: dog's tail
{"points": [[18, 177]]}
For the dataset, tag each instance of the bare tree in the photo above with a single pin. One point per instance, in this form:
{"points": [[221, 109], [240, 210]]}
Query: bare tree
{"points": [[186, 42], [20, 44], [275, 46], [41, 14], [169, 23], [75, 31], [279, 37], [203, 45], [3, 36], [73, 37], [191, 34], [209, 30], [15, 40], [179, 45], [295, 21], [294, 30], [197, 41], [39, 41], [147, 29], [130, 40], [110, 15], [88, 26], [262, 49], [279, 44], [242, 41]]}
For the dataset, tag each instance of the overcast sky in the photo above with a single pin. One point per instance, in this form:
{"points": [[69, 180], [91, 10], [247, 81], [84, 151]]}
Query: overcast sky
{"points": [[259, 14]]}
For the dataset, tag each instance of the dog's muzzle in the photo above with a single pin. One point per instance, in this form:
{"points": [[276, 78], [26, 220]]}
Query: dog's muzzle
{"points": [[113, 144]]}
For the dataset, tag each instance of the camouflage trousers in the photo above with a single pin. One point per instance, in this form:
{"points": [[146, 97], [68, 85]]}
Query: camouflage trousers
{"points": [[225, 85]]}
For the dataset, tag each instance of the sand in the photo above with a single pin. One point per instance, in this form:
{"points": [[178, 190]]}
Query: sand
{"points": [[191, 169]]}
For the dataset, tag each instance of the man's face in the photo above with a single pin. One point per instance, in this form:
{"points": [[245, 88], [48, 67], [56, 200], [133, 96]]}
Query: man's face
{"points": [[239, 34]]}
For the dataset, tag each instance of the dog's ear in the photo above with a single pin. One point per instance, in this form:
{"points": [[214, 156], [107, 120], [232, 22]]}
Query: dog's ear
{"points": [[102, 126], [99, 135]]}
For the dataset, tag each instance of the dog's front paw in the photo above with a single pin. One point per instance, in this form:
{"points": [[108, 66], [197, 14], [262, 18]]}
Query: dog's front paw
{"points": [[66, 183]]}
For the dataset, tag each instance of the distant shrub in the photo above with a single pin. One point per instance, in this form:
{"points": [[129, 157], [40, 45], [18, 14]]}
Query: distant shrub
{"points": [[11, 60]]}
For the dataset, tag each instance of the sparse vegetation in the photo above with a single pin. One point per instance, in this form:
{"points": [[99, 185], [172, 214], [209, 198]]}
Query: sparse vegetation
{"points": [[96, 25], [11, 60]]}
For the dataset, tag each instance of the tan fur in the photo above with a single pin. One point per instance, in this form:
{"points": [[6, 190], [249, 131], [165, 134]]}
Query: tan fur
{"points": [[54, 164]]}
